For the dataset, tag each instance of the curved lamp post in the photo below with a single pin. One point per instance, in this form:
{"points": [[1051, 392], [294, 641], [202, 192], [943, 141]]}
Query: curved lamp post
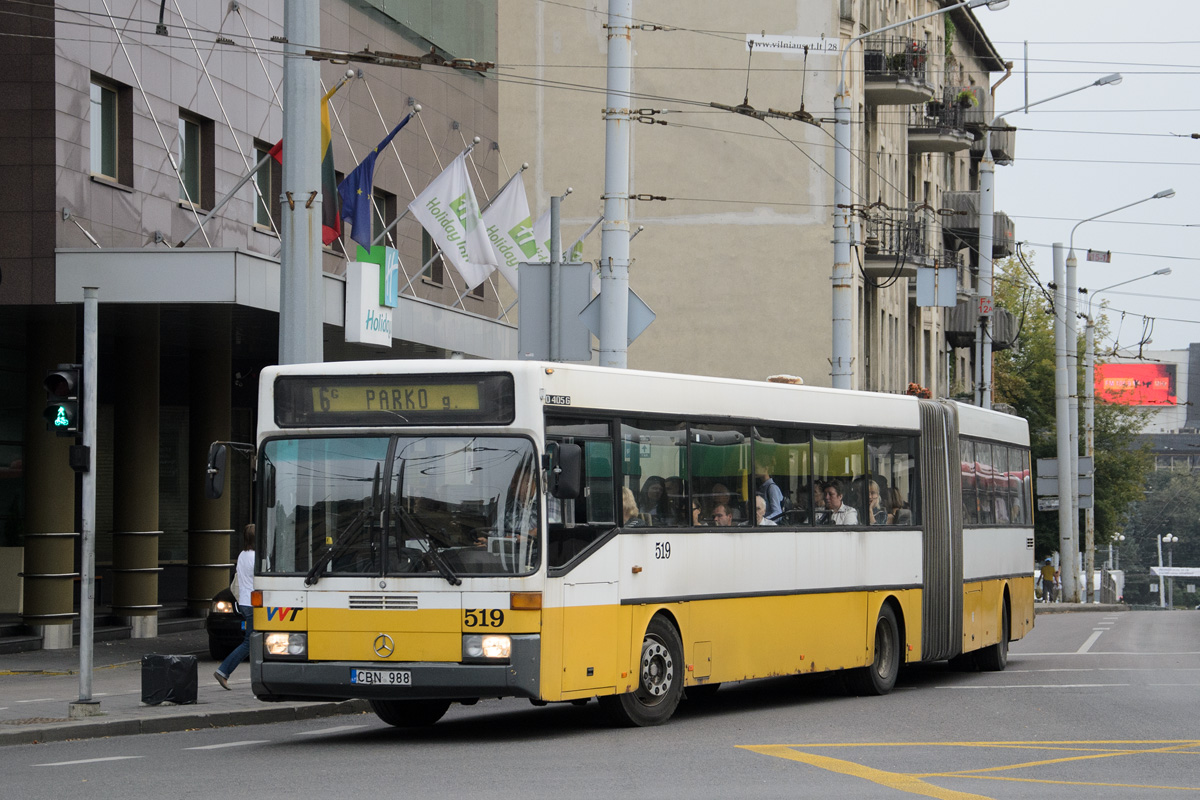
{"points": [[1089, 414], [1066, 400], [987, 211]]}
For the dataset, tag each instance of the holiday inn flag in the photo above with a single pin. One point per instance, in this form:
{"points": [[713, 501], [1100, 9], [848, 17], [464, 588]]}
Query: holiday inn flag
{"points": [[447, 209], [510, 230]]}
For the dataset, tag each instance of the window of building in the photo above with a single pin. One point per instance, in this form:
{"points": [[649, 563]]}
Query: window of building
{"points": [[110, 122], [383, 211], [435, 273], [195, 156], [269, 179]]}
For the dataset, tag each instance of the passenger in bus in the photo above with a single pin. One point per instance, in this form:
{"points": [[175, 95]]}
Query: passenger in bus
{"points": [[836, 512], [898, 511], [769, 491], [677, 503], [721, 496], [722, 516], [876, 513], [696, 512], [653, 499], [630, 517], [760, 512]]}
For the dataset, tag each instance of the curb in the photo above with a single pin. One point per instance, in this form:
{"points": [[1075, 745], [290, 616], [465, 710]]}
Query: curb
{"points": [[1069, 608], [101, 728]]}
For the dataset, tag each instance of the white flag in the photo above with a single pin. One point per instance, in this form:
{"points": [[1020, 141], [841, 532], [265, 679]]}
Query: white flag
{"points": [[541, 233], [510, 230], [447, 209]]}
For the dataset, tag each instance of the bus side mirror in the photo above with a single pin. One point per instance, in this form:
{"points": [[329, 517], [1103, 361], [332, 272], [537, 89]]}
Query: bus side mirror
{"points": [[566, 471], [214, 473]]}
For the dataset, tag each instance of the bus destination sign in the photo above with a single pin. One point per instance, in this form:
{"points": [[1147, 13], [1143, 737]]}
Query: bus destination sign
{"points": [[410, 397], [392, 400]]}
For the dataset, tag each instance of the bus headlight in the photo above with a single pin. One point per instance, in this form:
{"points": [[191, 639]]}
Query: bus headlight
{"points": [[487, 647], [294, 645]]}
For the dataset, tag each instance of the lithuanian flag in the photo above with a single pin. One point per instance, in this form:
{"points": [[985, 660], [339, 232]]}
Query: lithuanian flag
{"points": [[331, 203], [331, 211]]}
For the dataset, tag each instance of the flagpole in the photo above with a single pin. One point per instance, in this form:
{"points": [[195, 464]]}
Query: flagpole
{"points": [[229, 196]]}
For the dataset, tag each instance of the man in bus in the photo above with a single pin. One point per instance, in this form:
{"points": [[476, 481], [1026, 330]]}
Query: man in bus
{"points": [[836, 512]]}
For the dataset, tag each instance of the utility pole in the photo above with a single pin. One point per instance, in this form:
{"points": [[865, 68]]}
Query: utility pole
{"points": [[1068, 544], [301, 291], [614, 234], [86, 706]]}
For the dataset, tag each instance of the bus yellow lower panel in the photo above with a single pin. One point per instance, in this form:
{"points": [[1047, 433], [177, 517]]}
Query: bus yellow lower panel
{"points": [[344, 635]]}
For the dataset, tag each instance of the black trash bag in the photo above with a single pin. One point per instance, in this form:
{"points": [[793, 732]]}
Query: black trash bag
{"points": [[168, 679]]}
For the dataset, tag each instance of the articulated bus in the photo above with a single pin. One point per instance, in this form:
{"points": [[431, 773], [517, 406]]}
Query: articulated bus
{"points": [[433, 532]]}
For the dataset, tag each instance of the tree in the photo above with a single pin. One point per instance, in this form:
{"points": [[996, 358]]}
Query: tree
{"points": [[1171, 505], [1023, 377]]}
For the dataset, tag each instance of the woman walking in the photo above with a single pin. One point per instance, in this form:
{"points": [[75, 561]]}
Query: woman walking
{"points": [[244, 576]]}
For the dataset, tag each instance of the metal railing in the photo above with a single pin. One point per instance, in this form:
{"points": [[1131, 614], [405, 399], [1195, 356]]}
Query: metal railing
{"points": [[889, 57], [910, 235]]}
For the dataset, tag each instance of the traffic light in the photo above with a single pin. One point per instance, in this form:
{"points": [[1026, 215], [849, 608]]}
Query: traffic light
{"points": [[64, 400]]}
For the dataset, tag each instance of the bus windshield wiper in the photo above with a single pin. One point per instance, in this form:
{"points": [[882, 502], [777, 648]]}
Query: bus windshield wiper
{"points": [[412, 525], [340, 544]]}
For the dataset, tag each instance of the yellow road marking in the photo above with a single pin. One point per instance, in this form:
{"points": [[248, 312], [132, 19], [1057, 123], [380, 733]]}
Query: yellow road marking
{"points": [[893, 780], [913, 783]]}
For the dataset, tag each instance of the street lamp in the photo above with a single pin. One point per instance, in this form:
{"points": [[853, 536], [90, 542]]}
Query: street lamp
{"points": [[843, 198], [1066, 394], [987, 211], [1089, 412], [1114, 555], [1170, 541]]}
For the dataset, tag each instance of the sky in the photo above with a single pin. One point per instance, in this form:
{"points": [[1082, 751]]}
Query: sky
{"points": [[1078, 156]]}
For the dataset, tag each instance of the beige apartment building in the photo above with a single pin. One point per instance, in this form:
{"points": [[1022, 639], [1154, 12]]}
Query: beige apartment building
{"points": [[736, 254]]}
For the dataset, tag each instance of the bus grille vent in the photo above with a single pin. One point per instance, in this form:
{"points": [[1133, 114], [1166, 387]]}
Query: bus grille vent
{"points": [[384, 602]]}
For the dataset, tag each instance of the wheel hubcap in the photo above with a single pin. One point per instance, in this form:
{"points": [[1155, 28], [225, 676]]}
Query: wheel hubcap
{"points": [[658, 668]]}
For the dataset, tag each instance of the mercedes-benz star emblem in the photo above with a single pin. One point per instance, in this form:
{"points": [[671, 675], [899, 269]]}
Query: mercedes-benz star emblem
{"points": [[384, 646]]}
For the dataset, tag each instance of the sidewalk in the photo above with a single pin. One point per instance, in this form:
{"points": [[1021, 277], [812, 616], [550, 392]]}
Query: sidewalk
{"points": [[38, 686], [1063, 608]]}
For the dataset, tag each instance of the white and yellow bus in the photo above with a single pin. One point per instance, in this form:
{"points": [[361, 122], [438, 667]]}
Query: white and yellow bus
{"points": [[442, 531]]}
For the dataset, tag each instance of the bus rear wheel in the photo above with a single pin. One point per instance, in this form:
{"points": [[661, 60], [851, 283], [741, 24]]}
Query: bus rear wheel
{"points": [[410, 713], [994, 658], [880, 677], [660, 680]]}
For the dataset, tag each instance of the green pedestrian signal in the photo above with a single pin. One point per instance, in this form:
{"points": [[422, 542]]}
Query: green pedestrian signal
{"points": [[64, 406]]}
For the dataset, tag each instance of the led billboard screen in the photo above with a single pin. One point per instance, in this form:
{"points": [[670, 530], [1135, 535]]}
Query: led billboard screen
{"points": [[1136, 384]]}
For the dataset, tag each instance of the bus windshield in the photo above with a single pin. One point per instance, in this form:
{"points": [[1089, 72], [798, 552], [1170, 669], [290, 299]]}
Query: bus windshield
{"points": [[436, 506]]}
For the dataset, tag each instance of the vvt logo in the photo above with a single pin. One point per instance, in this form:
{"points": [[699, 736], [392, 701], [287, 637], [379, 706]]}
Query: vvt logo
{"points": [[282, 614]]}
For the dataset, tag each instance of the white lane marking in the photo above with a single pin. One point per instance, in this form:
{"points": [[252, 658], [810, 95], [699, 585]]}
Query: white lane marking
{"points": [[37, 700], [86, 761], [1091, 641], [228, 744], [1109, 669], [338, 729], [1109, 653], [1043, 686]]}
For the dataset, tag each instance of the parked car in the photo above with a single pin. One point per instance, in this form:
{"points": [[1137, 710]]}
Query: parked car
{"points": [[224, 624]]}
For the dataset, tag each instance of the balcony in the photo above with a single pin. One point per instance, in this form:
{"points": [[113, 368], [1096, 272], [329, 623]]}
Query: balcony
{"points": [[1004, 142], [962, 322], [939, 126], [896, 72], [897, 242], [963, 223]]}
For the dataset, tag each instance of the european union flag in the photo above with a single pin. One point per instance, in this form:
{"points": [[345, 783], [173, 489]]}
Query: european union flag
{"points": [[355, 191]]}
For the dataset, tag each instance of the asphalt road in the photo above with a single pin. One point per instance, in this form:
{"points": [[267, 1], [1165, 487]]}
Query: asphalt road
{"points": [[1092, 705]]}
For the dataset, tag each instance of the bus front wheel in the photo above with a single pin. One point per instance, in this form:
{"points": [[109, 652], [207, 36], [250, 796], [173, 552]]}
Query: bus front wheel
{"points": [[660, 680], [410, 713], [880, 676]]}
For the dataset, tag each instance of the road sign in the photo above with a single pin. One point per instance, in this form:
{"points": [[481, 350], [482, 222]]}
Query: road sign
{"points": [[1047, 504], [1047, 487], [1103, 257]]}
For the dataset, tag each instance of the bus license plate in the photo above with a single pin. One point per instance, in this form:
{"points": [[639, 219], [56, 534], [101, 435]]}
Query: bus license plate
{"points": [[381, 677]]}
